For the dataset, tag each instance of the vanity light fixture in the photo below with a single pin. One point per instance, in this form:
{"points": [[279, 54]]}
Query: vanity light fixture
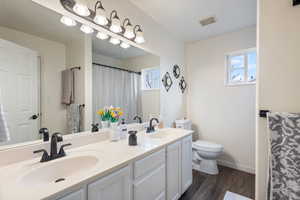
{"points": [[102, 36], [114, 41], [81, 8], [68, 21], [115, 22], [86, 29], [128, 32], [100, 16], [124, 45], [139, 35]]}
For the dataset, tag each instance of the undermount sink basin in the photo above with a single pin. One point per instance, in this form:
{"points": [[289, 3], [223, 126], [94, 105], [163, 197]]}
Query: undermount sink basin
{"points": [[58, 170]]}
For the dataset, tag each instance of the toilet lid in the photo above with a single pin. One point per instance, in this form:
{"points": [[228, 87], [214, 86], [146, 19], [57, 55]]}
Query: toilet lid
{"points": [[207, 146]]}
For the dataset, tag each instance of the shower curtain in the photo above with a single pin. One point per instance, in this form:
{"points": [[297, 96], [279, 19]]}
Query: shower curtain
{"points": [[284, 166], [117, 88]]}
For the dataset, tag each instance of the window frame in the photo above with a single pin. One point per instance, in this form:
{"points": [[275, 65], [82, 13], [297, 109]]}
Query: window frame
{"points": [[142, 79], [228, 67]]}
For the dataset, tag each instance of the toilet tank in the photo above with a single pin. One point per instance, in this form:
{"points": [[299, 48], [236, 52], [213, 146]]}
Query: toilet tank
{"points": [[184, 124]]}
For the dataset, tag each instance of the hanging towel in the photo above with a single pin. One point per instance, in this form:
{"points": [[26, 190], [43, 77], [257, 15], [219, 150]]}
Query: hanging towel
{"points": [[74, 118], [4, 133], [284, 165], [68, 87]]}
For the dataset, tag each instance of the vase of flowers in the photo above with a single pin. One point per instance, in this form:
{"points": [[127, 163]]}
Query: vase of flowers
{"points": [[111, 116], [115, 114], [105, 117]]}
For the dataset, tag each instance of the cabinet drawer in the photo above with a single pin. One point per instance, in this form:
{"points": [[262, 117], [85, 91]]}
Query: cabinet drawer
{"points": [[148, 164], [152, 186]]}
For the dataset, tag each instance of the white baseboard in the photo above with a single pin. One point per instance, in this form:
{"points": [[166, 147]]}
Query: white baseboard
{"points": [[237, 166]]}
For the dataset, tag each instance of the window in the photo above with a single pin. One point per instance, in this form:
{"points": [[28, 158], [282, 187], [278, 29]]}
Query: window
{"points": [[150, 79], [241, 67]]}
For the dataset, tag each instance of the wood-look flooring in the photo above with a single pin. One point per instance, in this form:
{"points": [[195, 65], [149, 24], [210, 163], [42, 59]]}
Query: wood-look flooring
{"points": [[209, 187]]}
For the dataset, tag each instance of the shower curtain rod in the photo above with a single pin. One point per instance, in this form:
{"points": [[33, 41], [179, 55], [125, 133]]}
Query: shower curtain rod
{"points": [[117, 68]]}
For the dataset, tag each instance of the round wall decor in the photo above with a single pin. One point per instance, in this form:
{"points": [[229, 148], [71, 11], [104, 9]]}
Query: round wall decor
{"points": [[167, 81], [176, 71], [182, 84]]}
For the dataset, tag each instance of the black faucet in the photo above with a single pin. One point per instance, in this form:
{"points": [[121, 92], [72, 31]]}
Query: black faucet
{"points": [[55, 138], [138, 118], [45, 133], [151, 129]]}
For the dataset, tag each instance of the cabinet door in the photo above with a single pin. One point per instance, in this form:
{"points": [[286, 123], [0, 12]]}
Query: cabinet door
{"points": [[152, 186], [186, 169], [174, 171], [115, 186], [78, 195]]}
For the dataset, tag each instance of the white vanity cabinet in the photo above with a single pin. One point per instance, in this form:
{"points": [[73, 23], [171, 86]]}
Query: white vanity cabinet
{"points": [[115, 186], [162, 175], [179, 167], [78, 195], [174, 171], [186, 163], [149, 177]]}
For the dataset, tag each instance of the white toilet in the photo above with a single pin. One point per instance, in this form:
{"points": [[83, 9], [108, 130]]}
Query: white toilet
{"points": [[205, 156], [205, 153]]}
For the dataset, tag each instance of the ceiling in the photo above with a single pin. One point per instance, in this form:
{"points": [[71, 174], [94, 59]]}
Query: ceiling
{"points": [[29, 17], [181, 18]]}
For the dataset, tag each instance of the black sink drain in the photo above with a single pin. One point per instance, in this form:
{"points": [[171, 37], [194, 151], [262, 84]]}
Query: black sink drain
{"points": [[59, 180]]}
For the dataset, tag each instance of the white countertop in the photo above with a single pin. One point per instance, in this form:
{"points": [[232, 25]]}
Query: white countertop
{"points": [[110, 155]]}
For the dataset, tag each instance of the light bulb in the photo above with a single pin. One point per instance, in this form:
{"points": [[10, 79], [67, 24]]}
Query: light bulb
{"points": [[114, 41], [68, 21], [129, 32], [102, 36], [139, 38], [124, 45], [81, 8], [115, 25], [86, 29], [100, 17]]}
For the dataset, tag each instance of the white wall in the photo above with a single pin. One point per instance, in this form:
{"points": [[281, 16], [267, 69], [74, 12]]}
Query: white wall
{"points": [[53, 58], [279, 69], [222, 114], [105, 60], [158, 42]]}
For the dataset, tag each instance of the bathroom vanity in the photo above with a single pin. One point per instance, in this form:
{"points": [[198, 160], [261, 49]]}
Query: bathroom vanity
{"points": [[159, 167]]}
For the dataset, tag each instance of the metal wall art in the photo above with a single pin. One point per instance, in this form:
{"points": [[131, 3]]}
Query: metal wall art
{"points": [[167, 81], [182, 84], [176, 71]]}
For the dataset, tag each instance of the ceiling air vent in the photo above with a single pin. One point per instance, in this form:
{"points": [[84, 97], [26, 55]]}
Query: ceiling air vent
{"points": [[208, 21]]}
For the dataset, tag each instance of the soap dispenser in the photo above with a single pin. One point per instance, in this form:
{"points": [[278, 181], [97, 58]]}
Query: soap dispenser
{"points": [[123, 130], [132, 140]]}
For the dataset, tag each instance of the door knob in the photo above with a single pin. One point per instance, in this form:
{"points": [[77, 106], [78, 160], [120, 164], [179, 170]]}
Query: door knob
{"points": [[34, 117]]}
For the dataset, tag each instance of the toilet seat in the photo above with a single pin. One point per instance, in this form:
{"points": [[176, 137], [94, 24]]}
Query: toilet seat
{"points": [[207, 146]]}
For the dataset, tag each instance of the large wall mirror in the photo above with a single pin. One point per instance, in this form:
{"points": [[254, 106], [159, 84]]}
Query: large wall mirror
{"points": [[44, 75]]}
